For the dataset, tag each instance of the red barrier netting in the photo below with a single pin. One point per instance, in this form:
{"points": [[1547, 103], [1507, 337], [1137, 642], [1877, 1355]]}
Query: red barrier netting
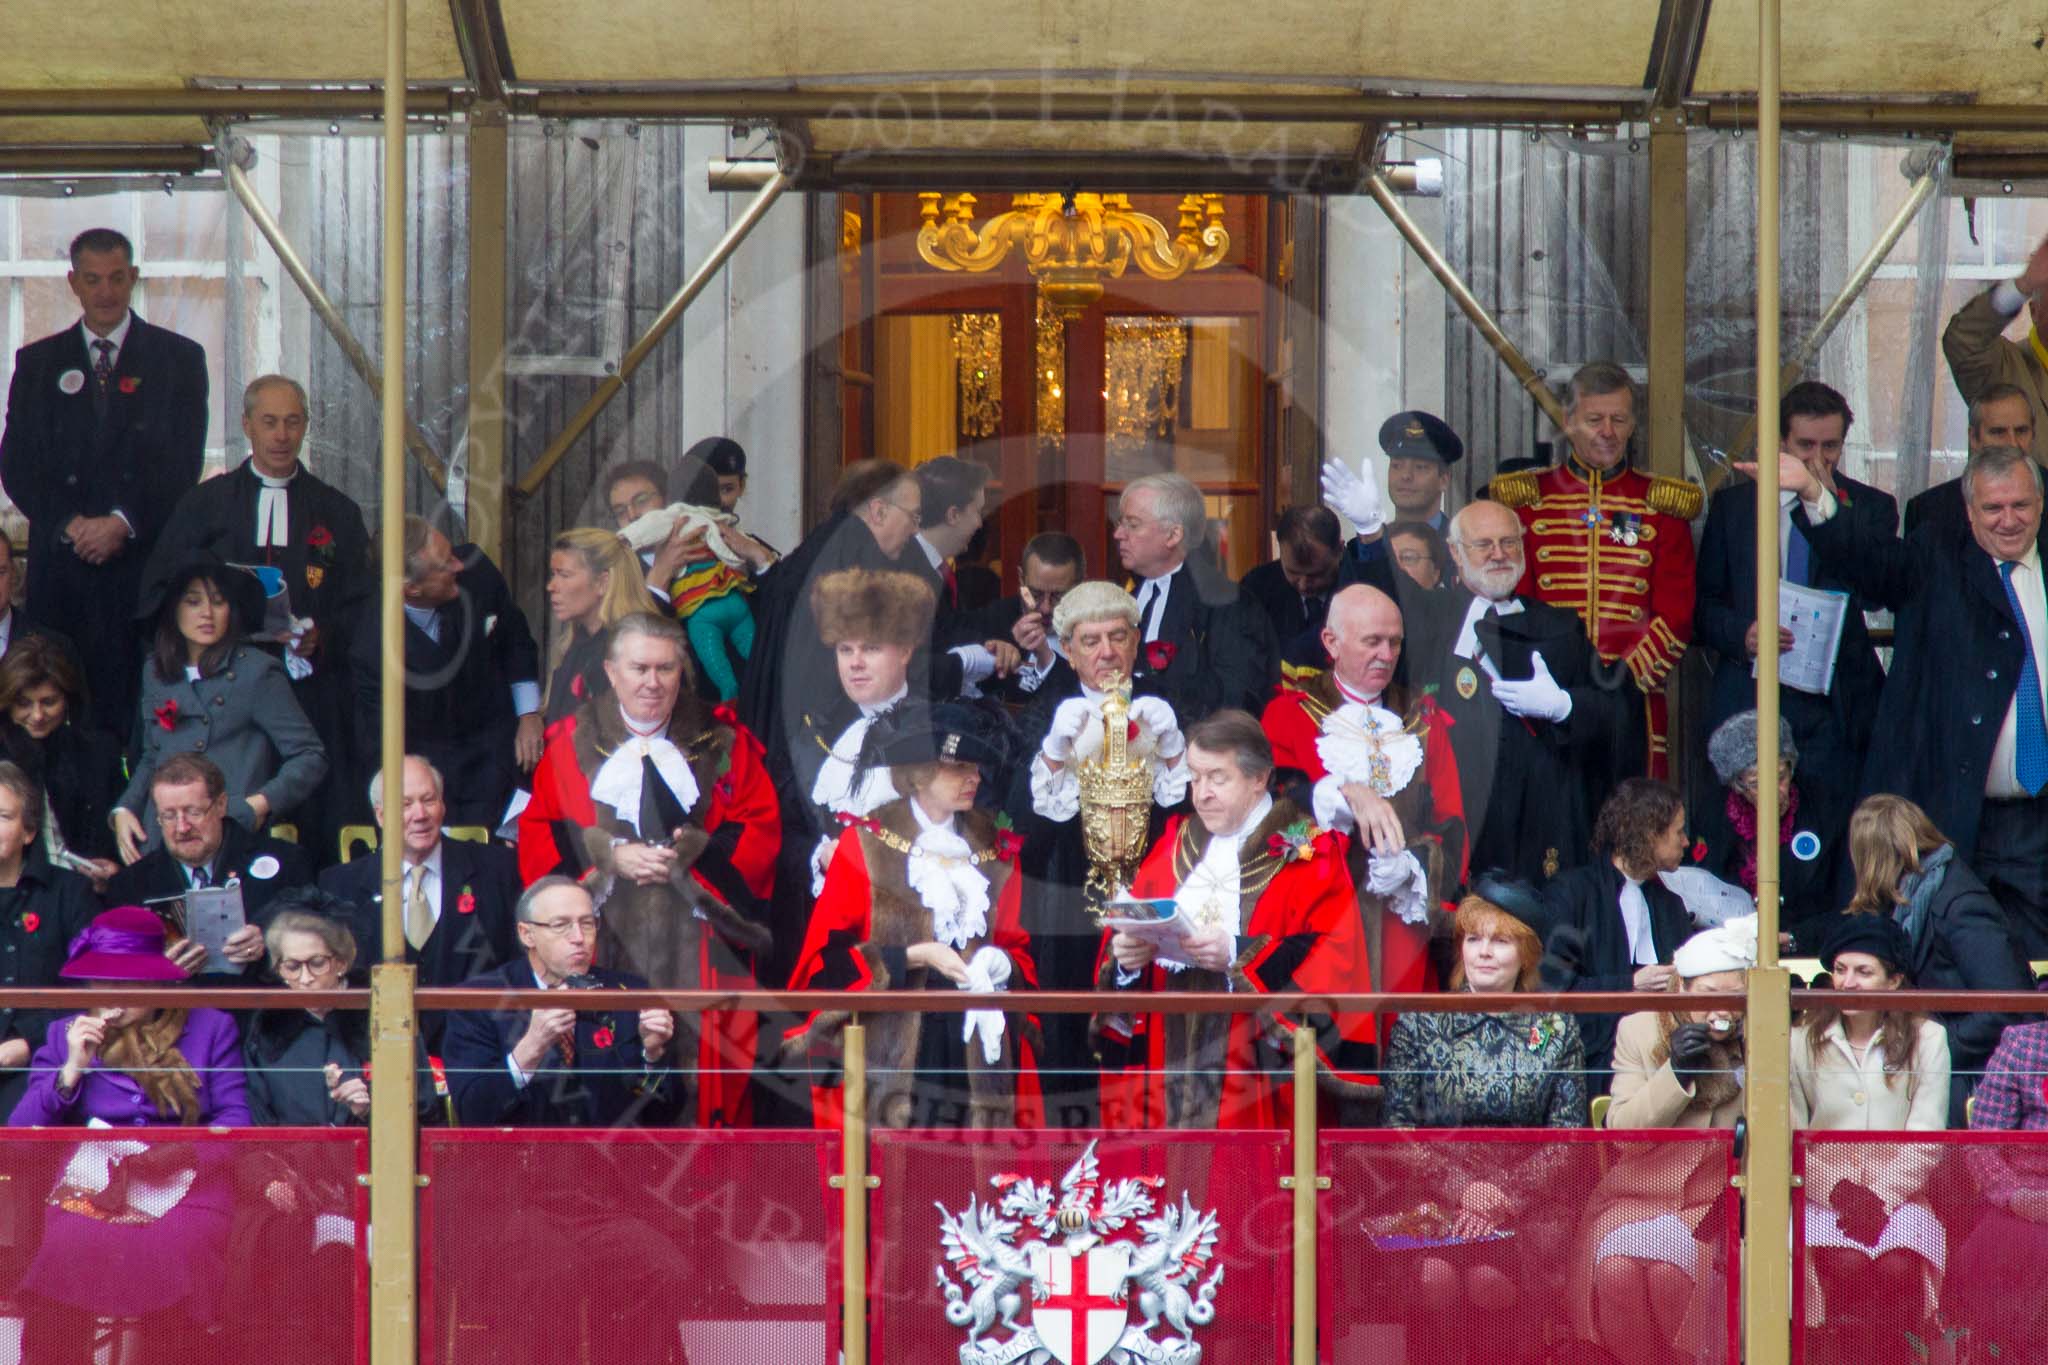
{"points": [[1920, 1247], [630, 1247], [1094, 1247], [1604, 1247], [175, 1247]]}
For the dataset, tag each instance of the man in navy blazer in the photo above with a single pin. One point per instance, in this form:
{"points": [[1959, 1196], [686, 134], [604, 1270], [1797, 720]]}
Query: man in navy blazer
{"points": [[560, 1068], [106, 428], [458, 896], [1959, 734], [1833, 731]]}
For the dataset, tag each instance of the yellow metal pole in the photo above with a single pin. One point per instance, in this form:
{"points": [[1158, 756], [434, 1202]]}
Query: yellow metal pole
{"points": [[1665, 397], [1767, 1262], [489, 431], [394, 1283], [1304, 1195], [1475, 312], [853, 1350]]}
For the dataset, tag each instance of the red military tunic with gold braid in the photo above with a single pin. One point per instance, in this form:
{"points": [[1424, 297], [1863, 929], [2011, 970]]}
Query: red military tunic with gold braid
{"points": [[1617, 549]]}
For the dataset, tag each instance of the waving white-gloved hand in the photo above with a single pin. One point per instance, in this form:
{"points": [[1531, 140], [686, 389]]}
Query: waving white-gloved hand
{"points": [[1538, 696], [1158, 719], [1355, 499]]}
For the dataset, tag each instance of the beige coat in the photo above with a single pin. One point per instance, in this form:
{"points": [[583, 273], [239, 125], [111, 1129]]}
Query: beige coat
{"points": [[1842, 1094], [1979, 355], [1642, 1184]]}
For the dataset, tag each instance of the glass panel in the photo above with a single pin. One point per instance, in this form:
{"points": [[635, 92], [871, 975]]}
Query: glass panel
{"points": [[184, 227], [1234, 526], [1182, 394], [48, 225], [939, 383], [47, 306], [198, 309]]}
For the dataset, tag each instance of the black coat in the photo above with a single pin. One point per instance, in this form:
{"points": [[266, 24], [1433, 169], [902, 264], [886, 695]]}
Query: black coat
{"points": [[1833, 731], [58, 460], [1266, 587], [604, 1088], [159, 876], [285, 1053], [82, 775], [1955, 665], [458, 690], [1942, 508], [579, 674], [39, 916], [464, 943], [1588, 948], [1214, 649], [1807, 887]]}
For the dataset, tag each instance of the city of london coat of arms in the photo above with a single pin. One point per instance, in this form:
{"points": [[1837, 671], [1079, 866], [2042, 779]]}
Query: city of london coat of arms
{"points": [[1112, 1276]]}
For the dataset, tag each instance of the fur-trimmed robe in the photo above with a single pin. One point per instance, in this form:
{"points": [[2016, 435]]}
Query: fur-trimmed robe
{"points": [[725, 865], [1298, 930], [865, 918], [1431, 808]]}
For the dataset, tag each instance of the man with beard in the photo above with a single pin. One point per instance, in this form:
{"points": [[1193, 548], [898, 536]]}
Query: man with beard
{"points": [[1097, 626], [1355, 749], [1529, 702], [662, 808]]}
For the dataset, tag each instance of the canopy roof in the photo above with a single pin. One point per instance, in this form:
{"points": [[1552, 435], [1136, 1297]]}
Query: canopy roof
{"points": [[1297, 81]]}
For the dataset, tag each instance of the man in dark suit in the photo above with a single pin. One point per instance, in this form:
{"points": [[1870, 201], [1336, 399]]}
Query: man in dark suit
{"points": [[2002, 415], [563, 1068], [472, 676], [203, 848], [106, 427], [1209, 648], [310, 543], [1052, 563], [1960, 723], [1831, 731], [1294, 590], [15, 625], [458, 895], [560, 1068], [953, 498]]}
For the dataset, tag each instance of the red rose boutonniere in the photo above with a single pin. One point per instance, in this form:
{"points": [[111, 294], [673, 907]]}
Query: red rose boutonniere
{"points": [[1159, 655], [1009, 843], [129, 383], [167, 714], [465, 903], [1296, 843], [603, 1037], [31, 922]]}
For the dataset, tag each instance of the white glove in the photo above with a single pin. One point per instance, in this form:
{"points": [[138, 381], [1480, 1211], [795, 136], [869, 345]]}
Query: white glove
{"points": [[988, 971], [1157, 717], [1539, 696], [1068, 722], [1357, 500]]}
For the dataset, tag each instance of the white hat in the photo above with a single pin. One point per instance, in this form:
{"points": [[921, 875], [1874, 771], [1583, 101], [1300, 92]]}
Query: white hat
{"points": [[1727, 947]]}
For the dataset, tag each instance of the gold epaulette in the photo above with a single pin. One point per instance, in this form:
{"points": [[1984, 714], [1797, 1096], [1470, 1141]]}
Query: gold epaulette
{"points": [[1679, 498], [1515, 490], [1295, 677]]}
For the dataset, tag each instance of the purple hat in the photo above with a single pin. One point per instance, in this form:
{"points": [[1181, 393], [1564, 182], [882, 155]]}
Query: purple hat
{"points": [[125, 944]]}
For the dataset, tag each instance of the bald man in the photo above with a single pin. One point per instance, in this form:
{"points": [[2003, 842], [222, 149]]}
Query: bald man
{"points": [[1352, 746]]}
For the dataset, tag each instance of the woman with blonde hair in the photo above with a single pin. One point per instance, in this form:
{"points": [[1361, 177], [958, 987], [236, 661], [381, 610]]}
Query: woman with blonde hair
{"points": [[1957, 934], [594, 582]]}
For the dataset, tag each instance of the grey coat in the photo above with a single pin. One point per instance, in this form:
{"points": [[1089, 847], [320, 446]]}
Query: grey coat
{"points": [[245, 719]]}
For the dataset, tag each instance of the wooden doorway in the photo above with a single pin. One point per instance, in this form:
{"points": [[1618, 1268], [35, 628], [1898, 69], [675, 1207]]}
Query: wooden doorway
{"points": [[1157, 375]]}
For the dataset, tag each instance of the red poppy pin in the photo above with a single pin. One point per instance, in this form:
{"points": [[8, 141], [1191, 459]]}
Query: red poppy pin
{"points": [[1159, 655], [31, 921], [465, 903], [167, 714], [1699, 850], [319, 537], [603, 1037], [1009, 843], [576, 687], [129, 383]]}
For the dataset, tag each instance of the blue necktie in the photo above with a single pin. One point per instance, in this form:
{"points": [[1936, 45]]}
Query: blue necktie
{"points": [[1798, 558], [2030, 757]]}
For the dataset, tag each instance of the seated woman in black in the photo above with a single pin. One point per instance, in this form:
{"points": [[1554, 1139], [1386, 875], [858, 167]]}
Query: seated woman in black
{"points": [[44, 729]]}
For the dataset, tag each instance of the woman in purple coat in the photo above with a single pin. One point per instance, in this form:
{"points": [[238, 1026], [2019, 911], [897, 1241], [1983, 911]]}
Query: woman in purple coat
{"points": [[134, 1229]]}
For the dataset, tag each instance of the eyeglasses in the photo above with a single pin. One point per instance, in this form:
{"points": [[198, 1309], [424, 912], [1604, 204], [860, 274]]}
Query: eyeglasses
{"points": [[1483, 548], [1747, 783], [311, 966], [1135, 524], [635, 505], [584, 927], [172, 816]]}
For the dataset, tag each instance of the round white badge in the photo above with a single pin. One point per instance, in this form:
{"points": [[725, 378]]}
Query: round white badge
{"points": [[264, 868], [71, 381], [1806, 845]]}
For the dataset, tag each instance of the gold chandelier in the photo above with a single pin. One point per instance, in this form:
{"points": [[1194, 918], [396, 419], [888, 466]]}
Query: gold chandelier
{"points": [[1072, 242]]}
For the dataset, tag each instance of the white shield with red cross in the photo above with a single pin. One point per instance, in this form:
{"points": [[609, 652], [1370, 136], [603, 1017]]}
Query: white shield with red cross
{"points": [[1078, 1320]]}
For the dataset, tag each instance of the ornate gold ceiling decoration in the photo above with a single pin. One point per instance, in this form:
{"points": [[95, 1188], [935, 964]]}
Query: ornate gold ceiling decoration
{"points": [[1072, 242], [978, 361]]}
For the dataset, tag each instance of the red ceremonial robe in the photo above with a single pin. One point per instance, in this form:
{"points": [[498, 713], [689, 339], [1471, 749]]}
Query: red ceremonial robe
{"points": [[1298, 931], [562, 831], [865, 917]]}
